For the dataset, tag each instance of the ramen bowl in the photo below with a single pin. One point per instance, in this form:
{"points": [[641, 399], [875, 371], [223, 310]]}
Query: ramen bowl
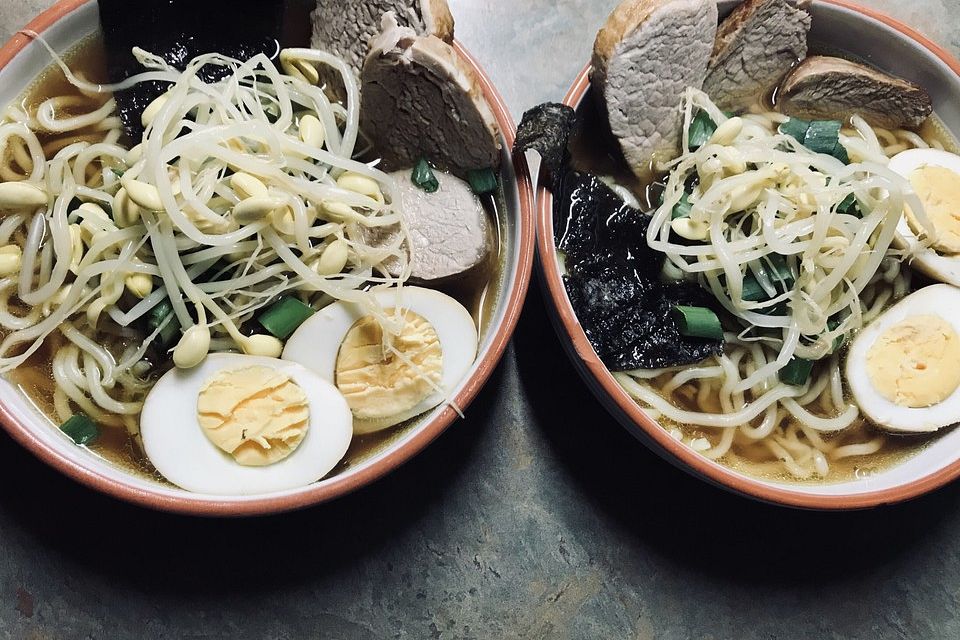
{"points": [[70, 22], [892, 47]]}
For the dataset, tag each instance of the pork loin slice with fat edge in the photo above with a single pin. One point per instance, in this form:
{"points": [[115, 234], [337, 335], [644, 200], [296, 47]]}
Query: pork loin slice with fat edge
{"points": [[645, 56], [420, 100], [833, 88], [756, 46], [347, 28]]}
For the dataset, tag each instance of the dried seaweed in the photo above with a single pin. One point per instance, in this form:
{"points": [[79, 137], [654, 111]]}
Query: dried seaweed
{"points": [[593, 224], [613, 280], [627, 318], [546, 129], [178, 31]]}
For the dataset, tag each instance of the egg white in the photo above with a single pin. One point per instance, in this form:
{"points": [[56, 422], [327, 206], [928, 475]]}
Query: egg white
{"points": [[939, 300], [316, 343], [942, 268], [175, 442]]}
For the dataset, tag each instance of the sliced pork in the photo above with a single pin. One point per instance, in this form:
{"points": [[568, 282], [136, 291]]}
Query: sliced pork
{"points": [[645, 56]]}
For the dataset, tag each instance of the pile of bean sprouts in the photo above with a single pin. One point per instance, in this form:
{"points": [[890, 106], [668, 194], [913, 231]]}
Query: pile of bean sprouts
{"points": [[121, 229], [759, 193]]}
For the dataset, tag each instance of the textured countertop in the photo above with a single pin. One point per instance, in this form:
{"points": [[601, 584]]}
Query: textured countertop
{"points": [[536, 517]]}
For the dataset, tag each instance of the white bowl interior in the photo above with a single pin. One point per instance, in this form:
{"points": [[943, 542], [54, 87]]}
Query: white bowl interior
{"points": [[888, 49], [15, 78]]}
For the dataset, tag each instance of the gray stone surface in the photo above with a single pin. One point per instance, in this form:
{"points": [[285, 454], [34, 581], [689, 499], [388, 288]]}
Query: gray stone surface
{"points": [[536, 517]]}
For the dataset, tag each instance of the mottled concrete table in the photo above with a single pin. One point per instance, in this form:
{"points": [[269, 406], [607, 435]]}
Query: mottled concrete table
{"points": [[536, 517]]}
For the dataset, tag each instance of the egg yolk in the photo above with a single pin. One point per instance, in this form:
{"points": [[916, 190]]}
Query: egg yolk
{"points": [[381, 379], [939, 190], [256, 414], [913, 363]]}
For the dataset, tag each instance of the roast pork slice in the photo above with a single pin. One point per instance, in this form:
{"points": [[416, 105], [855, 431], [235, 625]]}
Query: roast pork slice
{"points": [[645, 56], [756, 47], [347, 28], [420, 100], [450, 232], [834, 88]]}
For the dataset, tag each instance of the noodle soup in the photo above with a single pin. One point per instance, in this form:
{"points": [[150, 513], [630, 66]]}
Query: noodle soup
{"points": [[181, 273], [745, 291], [859, 450]]}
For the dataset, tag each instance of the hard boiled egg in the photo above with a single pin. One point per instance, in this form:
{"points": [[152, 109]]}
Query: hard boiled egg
{"points": [[241, 425], [935, 177], [416, 372], [904, 367]]}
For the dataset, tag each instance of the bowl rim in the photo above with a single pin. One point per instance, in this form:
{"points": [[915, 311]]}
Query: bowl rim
{"points": [[336, 487], [636, 420]]}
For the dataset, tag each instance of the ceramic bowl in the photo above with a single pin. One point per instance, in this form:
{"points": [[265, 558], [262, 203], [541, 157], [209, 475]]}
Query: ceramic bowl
{"points": [[66, 24], [892, 47]]}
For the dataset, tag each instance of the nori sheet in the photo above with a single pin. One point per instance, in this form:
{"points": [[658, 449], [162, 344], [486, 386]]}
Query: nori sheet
{"points": [[547, 128], [178, 31], [613, 280]]}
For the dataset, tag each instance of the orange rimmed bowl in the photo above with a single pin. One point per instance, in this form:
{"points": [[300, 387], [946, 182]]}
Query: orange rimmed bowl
{"points": [[65, 25], [892, 47]]}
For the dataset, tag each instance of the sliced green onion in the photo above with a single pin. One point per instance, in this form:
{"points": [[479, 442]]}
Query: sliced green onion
{"points": [[169, 332], [423, 177], [682, 208], [157, 319], [840, 340], [822, 136], [697, 322], [797, 371], [795, 128], [81, 429], [284, 316], [482, 181], [702, 129], [850, 206], [752, 291], [169, 329], [840, 153], [781, 271]]}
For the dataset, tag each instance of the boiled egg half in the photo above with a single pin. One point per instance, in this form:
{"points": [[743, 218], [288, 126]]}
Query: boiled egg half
{"points": [[935, 177], [389, 374], [903, 369], [241, 425]]}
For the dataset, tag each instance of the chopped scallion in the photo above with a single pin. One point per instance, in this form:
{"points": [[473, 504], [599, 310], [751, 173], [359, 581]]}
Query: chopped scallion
{"points": [[795, 128], [697, 322], [423, 177], [284, 316], [840, 153], [797, 371], [850, 206], [682, 208], [838, 342], [157, 319], [781, 274], [752, 290], [81, 429], [702, 129], [820, 136], [482, 181]]}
